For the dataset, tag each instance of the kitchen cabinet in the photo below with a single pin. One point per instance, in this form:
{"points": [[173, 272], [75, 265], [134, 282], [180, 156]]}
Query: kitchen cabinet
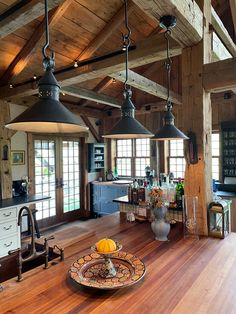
{"points": [[10, 233], [96, 157], [102, 196], [229, 151]]}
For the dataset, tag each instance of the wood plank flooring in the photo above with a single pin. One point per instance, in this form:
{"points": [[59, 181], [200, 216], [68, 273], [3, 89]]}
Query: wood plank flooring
{"points": [[183, 276]]}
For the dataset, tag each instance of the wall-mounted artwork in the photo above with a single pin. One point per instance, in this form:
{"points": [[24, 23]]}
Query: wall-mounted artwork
{"points": [[18, 157]]}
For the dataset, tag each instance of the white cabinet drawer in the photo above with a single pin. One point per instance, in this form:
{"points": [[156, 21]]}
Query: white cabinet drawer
{"points": [[8, 213], [7, 244], [8, 227]]}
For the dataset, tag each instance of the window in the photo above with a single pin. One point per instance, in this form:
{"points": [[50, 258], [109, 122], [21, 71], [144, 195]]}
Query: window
{"points": [[132, 156], [215, 151], [176, 158]]}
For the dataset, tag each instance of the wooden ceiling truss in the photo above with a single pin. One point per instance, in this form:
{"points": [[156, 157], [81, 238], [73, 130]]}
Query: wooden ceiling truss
{"points": [[188, 32]]}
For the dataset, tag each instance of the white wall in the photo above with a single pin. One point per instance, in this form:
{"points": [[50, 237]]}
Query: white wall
{"points": [[18, 142]]}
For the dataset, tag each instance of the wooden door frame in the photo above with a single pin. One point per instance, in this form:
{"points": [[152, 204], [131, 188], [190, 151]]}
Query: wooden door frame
{"points": [[70, 216]]}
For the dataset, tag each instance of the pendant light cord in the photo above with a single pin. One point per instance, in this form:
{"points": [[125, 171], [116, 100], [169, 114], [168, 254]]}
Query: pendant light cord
{"points": [[126, 44], [48, 62], [168, 68]]}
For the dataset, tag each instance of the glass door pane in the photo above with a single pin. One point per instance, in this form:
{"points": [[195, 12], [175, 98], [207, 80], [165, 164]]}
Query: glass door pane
{"points": [[71, 175], [45, 176]]}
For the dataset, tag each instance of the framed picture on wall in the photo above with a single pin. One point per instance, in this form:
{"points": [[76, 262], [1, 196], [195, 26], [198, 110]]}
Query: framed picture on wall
{"points": [[17, 157]]}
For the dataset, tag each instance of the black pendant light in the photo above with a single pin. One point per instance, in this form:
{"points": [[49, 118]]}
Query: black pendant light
{"points": [[127, 126], [169, 131], [47, 115]]}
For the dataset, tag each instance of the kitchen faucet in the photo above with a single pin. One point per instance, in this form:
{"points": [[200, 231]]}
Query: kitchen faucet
{"points": [[33, 252]]}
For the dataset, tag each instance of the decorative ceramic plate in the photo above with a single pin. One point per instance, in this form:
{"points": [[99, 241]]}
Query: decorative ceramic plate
{"points": [[85, 271]]}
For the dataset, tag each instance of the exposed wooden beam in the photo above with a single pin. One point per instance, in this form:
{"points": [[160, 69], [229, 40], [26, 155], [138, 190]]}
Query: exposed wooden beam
{"points": [[97, 42], [23, 57], [27, 13], [98, 88], [218, 98], [219, 51], [106, 32], [89, 112], [142, 83], [188, 30], [233, 12], [222, 32], [220, 76], [147, 51], [91, 127], [91, 95], [5, 163]]}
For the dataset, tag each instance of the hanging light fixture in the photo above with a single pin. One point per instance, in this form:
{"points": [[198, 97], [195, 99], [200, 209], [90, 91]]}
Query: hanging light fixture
{"points": [[169, 131], [127, 126], [47, 115]]}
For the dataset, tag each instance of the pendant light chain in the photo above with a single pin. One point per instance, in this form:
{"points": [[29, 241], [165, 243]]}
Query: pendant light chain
{"points": [[127, 126], [126, 44], [48, 62], [168, 68]]}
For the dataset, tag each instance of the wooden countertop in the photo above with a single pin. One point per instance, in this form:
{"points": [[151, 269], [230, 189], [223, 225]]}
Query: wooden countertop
{"points": [[182, 276]]}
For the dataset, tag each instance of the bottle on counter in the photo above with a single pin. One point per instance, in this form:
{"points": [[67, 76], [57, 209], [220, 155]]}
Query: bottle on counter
{"points": [[115, 173], [148, 190], [155, 183], [135, 192], [130, 193], [141, 194], [172, 195], [179, 193]]}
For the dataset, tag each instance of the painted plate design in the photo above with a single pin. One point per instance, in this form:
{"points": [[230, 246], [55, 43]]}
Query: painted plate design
{"points": [[85, 271]]}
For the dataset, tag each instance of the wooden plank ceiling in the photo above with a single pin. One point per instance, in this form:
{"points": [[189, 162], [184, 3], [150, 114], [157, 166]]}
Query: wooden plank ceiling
{"points": [[83, 29]]}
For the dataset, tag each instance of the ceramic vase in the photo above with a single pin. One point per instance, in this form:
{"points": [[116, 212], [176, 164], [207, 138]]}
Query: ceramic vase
{"points": [[159, 226]]}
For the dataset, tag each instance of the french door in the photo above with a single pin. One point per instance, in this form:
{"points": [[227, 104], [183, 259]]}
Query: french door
{"points": [[56, 172]]}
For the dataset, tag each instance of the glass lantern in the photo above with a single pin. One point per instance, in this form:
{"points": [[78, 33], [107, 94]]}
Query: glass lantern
{"points": [[219, 218]]}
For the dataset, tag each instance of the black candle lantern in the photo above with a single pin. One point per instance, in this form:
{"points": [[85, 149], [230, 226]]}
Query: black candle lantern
{"points": [[219, 218]]}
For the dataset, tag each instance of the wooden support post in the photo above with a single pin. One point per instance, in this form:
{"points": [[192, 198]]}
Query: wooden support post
{"points": [[197, 118], [5, 160], [84, 177]]}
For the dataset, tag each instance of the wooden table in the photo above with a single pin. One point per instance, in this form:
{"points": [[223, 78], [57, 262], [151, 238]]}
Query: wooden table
{"points": [[182, 276]]}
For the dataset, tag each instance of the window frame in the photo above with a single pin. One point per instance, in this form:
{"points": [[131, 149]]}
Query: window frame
{"points": [[132, 158], [181, 157], [215, 156]]}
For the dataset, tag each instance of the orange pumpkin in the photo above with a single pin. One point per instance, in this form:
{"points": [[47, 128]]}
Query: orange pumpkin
{"points": [[106, 245]]}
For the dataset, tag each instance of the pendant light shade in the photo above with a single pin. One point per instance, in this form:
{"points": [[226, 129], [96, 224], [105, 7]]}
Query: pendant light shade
{"points": [[47, 115], [127, 126], [169, 131]]}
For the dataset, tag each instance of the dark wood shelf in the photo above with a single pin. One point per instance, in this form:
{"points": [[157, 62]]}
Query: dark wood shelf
{"points": [[95, 164]]}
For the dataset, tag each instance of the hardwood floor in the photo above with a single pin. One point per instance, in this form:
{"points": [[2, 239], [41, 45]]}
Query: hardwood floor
{"points": [[183, 276]]}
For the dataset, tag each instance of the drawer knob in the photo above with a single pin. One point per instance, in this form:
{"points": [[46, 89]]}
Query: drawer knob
{"points": [[9, 244], [7, 214], [7, 228]]}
